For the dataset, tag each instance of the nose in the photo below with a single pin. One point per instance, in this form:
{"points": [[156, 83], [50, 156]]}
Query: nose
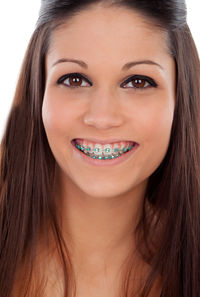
{"points": [[103, 111]]}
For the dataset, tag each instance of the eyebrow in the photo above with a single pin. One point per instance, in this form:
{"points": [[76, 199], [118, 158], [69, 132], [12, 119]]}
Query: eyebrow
{"points": [[125, 67]]}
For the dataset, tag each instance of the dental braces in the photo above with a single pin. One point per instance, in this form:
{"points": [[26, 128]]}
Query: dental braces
{"points": [[103, 156]]}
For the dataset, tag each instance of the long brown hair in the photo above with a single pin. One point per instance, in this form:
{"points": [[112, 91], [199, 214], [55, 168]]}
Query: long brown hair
{"points": [[27, 165]]}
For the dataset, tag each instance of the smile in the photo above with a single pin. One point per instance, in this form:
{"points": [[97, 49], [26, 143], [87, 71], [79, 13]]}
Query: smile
{"points": [[106, 151], [104, 154]]}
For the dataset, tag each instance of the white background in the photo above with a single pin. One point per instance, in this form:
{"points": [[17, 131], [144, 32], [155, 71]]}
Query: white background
{"points": [[17, 23]]}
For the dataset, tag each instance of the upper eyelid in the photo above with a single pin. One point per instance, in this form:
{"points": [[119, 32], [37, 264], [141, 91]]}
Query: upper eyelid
{"points": [[125, 81]]}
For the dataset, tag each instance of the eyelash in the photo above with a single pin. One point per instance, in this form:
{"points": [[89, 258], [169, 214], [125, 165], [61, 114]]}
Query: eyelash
{"points": [[150, 81]]}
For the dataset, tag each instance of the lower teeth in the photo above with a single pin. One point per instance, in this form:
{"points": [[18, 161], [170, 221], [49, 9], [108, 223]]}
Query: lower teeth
{"points": [[102, 157]]}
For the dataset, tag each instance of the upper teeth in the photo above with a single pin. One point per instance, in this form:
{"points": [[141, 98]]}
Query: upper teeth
{"points": [[106, 149]]}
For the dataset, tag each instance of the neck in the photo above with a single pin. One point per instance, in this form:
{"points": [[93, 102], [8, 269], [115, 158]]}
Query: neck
{"points": [[100, 232]]}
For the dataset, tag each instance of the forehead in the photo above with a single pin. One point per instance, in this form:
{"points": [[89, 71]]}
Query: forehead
{"points": [[103, 32]]}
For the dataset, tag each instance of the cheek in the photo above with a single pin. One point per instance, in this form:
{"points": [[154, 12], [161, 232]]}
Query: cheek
{"points": [[156, 119], [57, 115], [57, 118], [154, 125], [158, 127]]}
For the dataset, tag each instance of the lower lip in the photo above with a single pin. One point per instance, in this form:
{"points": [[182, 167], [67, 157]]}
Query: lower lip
{"points": [[109, 162]]}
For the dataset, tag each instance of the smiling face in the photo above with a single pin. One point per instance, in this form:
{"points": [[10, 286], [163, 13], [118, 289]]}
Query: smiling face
{"points": [[103, 102]]}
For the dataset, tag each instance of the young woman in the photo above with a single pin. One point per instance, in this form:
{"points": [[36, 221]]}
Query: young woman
{"points": [[100, 158]]}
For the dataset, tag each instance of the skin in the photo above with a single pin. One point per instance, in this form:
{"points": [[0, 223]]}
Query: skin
{"points": [[100, 206]]}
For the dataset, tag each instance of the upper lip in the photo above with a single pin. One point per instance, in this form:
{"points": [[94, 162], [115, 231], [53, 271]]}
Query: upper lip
{"points": [[104, 141]]}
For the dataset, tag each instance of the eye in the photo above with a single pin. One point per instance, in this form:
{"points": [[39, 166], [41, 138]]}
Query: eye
{"points": [[73, 80], [137, 82], [140, 82]]}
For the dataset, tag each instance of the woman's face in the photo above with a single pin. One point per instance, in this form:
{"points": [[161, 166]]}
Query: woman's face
{"points": [[100, 104]]}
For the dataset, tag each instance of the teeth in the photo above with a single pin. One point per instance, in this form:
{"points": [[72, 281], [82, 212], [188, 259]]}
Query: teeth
{"points": [[98, 149], [104, 150]]}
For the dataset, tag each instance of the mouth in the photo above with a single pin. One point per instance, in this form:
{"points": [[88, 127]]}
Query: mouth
{"points": [[103, 153]]}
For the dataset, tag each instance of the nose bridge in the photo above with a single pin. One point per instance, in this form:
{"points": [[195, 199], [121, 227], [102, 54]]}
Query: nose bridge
{"points": [[103, 109]]}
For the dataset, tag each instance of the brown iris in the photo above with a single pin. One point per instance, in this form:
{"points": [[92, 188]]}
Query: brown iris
{"points": [[138, 83], [75, 81]]}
